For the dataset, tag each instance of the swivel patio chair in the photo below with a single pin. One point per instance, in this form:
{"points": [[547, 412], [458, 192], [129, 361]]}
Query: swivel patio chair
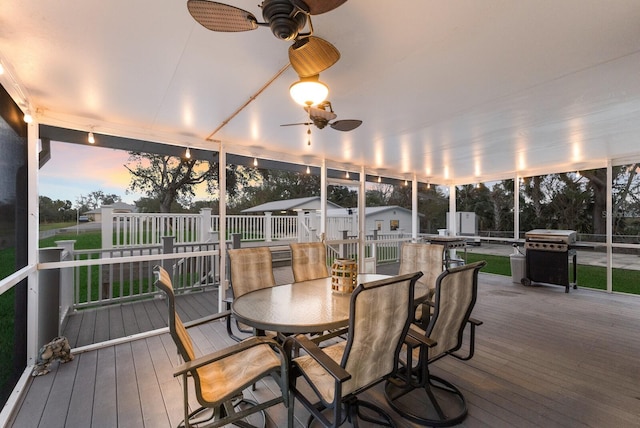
{"points": [[309, 261], [380, 315], [220, 377], [251, 269], [415, 392], [429, 259]]}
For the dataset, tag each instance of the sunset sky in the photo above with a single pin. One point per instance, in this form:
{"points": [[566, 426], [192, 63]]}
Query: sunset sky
{"points": [[76, 170]]}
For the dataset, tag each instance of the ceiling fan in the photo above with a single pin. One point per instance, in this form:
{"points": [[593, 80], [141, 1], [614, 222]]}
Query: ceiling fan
{"points": [[309, 55], [322, 115]]}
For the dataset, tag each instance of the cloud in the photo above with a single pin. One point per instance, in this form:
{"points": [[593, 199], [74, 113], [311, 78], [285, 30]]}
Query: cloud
{"points": [[76, 170]]}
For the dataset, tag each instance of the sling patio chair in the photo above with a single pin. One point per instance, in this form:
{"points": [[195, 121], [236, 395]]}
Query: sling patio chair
{"points": [[415, 392], [219, 378], [380, 315], [428, 259], [308, 261], [251, 269]]}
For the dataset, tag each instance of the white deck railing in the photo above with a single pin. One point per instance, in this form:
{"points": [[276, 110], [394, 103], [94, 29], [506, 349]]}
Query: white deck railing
{"points": [[139, 229]]}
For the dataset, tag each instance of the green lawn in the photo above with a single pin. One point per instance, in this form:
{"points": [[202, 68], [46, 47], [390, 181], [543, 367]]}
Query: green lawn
{"points": [[51, 226], [84, 241], [624, 280]]}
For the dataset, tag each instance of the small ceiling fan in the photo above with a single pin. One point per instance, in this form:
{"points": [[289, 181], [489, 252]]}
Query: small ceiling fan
{"points": [[309, 55], [322, 115]]}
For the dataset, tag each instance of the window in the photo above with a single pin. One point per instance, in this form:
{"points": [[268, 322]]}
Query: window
{"points": [[394, 224]]}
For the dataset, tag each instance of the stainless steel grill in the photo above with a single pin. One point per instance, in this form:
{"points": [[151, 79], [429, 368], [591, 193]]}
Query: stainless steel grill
{"points": [[549, 256]]}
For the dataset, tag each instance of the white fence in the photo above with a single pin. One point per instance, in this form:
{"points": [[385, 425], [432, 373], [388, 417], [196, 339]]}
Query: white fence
{"points": [[135, 229]]}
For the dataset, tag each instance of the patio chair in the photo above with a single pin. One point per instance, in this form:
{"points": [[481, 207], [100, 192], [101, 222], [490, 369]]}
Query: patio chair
{"points": [[380, 315], [309, 261], [443, 403], [429, 259], [220, 377], [251, 269]]}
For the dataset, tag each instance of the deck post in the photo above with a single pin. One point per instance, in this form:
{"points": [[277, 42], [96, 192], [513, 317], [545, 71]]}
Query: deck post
{"points": [[106, 219], [267, 227], [204, 231], [167, 248]]}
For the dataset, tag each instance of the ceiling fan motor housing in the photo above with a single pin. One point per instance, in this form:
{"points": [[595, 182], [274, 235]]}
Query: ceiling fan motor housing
{"points": [[285, 20]]}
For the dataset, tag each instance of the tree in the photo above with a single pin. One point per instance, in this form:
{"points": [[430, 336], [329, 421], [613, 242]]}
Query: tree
{"points": [[434, 204], [401, 196], [275, 185], [96, 199], [55, 211], [343, 196], [170, 179]]}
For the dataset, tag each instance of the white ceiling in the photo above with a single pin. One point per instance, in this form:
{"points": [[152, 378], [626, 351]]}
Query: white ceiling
{"points": [[453, 91]]}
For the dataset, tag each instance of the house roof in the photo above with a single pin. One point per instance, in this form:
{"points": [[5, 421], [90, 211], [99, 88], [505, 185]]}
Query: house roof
{"points": [[303, 204], [448, 91], [117, 207], [369, 211]]}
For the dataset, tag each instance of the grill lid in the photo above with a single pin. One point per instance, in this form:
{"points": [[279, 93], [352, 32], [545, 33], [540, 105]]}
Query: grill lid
{"points": [[551, 235]]}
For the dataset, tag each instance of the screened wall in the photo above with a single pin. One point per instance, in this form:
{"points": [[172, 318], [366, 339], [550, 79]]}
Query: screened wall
{"points": [[13, 243]]}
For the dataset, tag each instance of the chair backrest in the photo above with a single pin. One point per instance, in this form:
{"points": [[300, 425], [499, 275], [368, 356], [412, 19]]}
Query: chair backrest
{"points": [[423, 257], [380, 315], [176, 327], [455, 297], [251, 269], [309, 261]]}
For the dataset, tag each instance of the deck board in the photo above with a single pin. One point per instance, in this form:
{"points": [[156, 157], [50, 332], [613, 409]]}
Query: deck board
{"points": [[80, 409], [105, 403], [543, 358], [129, 408]]}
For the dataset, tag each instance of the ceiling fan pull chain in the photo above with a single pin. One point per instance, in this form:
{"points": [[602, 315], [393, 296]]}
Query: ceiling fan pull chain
{"points": [[309, 128]]}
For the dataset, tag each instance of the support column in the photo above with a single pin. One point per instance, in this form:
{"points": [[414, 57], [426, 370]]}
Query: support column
{"points": [[415, 222], [362, 206], [453, 227], [609, 226], [27, 348], [222, 209], [323, 200], [516, 208]]}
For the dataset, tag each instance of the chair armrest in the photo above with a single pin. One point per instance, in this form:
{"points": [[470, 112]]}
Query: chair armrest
{"points": [[224, 353], [475, 321], [420, 338], [315, 352], [207, 319]]}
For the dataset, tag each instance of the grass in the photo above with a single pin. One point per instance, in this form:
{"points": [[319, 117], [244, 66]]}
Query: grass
{"points": [[51, 226], [624, 280], [84, 241]]}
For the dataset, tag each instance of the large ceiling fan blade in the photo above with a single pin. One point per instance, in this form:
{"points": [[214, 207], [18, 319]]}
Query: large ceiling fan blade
{"points": [[346, 125], [316, 7], [311, 55], [221, 17], [295, 124]]}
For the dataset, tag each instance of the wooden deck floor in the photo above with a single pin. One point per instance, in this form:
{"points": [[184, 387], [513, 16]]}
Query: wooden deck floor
{"points": [[544, 359]]}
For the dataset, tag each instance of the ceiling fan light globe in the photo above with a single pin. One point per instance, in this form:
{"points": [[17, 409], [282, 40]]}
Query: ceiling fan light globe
{"points": [[307, 92]]}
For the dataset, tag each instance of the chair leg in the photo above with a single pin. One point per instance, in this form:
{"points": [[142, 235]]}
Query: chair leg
{"points": [[355, 412], [444, 404], [204, 417]]}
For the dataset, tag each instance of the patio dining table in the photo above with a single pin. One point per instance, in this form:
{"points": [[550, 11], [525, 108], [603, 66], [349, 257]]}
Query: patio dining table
{"points": [[300, 307]]}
